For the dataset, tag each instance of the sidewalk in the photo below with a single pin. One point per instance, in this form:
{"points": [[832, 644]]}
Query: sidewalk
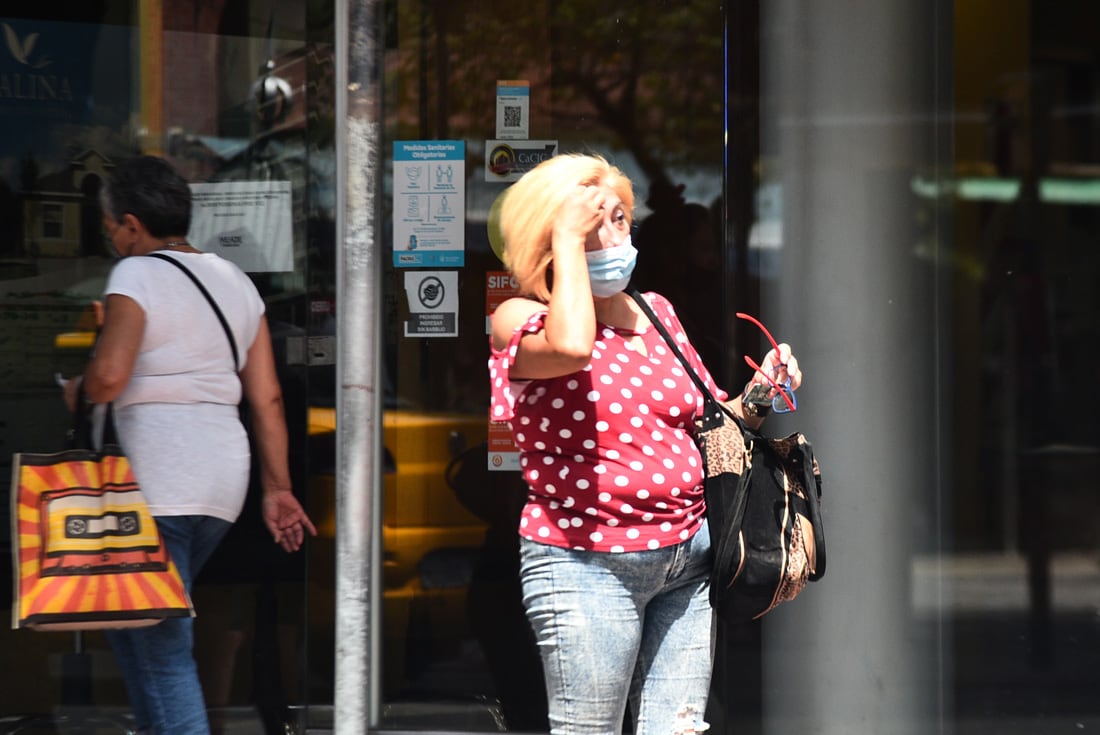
{"points": [[1005, 672]]}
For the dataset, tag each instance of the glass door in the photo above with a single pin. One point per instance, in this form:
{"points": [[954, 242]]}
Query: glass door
{"points": [[485, 91]]}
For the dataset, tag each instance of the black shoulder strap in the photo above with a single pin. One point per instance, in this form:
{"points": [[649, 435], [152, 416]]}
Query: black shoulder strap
{"points": [[210, 299], [712, 409]]}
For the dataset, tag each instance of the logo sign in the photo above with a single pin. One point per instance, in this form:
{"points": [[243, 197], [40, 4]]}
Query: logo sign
{"points": [[22, 48], [55, 78], [42, 71], [508, 160]]}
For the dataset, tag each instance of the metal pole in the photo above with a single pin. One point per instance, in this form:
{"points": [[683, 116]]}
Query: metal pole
{"points": [[358, 334]]}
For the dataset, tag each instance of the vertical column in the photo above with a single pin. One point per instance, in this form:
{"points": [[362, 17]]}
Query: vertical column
{"points": [[151, 55], [852, 88], [359, 338]]}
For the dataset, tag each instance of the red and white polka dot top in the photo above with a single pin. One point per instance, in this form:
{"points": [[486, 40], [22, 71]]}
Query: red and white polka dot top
{"points": [[607, 451]]}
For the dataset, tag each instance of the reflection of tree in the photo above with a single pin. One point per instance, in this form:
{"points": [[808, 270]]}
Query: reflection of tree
{"points": [[652, 72], [646, 76], [641, 81]]}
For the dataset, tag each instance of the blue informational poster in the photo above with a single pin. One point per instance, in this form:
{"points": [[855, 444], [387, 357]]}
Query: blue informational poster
{"points": [[429, 203]]}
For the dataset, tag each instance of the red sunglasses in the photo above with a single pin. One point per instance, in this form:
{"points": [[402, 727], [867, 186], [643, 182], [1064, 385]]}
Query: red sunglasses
{"points": [[783, 390]]}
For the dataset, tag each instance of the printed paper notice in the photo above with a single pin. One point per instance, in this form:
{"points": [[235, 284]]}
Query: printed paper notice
{"points": [[503, 452], [247, 222], [429, 203], [513, 108], [499, 287], [433, 303]]}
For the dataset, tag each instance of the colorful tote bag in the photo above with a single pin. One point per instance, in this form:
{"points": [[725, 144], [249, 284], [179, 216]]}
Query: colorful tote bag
{"points": [[89, 555]]}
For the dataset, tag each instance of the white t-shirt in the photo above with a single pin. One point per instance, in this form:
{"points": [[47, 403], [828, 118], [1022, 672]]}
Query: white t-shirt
{"points": [[177, 418]]}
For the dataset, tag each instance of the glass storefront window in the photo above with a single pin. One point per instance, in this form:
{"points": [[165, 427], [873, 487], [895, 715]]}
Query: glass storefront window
{"points": [[908, 192], [225, 94]]}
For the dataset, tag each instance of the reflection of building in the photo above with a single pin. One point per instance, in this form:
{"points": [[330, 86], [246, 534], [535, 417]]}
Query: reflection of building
{"points": [[61, 212]]}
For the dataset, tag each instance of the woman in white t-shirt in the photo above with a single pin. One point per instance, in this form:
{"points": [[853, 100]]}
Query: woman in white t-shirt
{"points": [[175, 380], [614, 546]]}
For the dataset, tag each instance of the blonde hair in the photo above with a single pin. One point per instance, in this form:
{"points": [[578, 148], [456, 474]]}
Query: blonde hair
{"points": [[533, 203]]}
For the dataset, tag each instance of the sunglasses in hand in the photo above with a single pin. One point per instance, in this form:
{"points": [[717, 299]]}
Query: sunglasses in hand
{"points": [[783, 399]]}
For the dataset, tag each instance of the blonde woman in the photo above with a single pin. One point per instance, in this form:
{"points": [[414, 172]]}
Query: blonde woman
{"points": [[615, 549]]}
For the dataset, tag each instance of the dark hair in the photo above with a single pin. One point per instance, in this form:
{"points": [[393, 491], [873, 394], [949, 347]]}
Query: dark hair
{"points": [[150, 189]]}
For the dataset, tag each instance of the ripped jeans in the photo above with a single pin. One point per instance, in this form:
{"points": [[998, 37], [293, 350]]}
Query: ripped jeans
{"points": [[613, 628]]}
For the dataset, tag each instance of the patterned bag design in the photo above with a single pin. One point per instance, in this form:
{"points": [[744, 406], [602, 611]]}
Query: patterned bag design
{"points": [[763, 505], [88, 555]]}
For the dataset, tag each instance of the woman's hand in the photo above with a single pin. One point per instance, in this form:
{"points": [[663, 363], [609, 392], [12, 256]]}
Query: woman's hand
{"points": [[777, 368], [286, 520], [780, 366], [580, 214]]}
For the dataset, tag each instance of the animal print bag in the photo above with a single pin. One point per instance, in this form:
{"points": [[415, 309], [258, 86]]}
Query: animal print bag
{"points": [[763, 507]]}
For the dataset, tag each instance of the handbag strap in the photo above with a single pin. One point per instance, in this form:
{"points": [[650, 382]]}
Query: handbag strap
{"points": [[80, 435], [210, 300], [714, 412]]}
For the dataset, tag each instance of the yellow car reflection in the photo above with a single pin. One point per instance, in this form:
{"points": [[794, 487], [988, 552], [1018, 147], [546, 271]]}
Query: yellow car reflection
{"points": [[420, 513]]}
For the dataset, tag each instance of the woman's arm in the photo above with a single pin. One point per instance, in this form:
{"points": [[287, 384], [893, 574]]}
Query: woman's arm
{"points": [[283, 514], [565, 345], [549, 353], [116, 350]]}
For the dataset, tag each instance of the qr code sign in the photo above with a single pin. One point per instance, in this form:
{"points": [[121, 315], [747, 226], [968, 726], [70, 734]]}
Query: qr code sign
{"points": [[512, 116]]}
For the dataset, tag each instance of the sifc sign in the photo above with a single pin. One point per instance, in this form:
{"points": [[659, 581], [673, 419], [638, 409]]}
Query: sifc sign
{"points": [[502, 280], [507, 160]]}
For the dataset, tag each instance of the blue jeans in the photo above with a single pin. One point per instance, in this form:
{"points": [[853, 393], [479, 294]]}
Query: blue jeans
{"points": [[157, 662], [613, 627]]}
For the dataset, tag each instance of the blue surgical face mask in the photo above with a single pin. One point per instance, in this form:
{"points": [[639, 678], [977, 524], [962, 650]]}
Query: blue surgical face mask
{"points": [[609, 269]]}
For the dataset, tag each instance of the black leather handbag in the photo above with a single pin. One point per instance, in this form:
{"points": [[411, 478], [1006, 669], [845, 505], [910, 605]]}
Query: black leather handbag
{"points": [[763, 507]]}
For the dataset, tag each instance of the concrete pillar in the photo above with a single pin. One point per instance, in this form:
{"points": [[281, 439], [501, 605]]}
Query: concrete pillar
{"points": [[849, 93]]}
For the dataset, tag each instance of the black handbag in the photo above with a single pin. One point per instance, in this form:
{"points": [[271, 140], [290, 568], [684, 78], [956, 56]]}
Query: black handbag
{"points": [[763, 500]]}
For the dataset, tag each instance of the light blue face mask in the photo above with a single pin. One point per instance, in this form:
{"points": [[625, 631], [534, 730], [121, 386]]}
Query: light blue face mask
{"points": [[609, 269]]}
